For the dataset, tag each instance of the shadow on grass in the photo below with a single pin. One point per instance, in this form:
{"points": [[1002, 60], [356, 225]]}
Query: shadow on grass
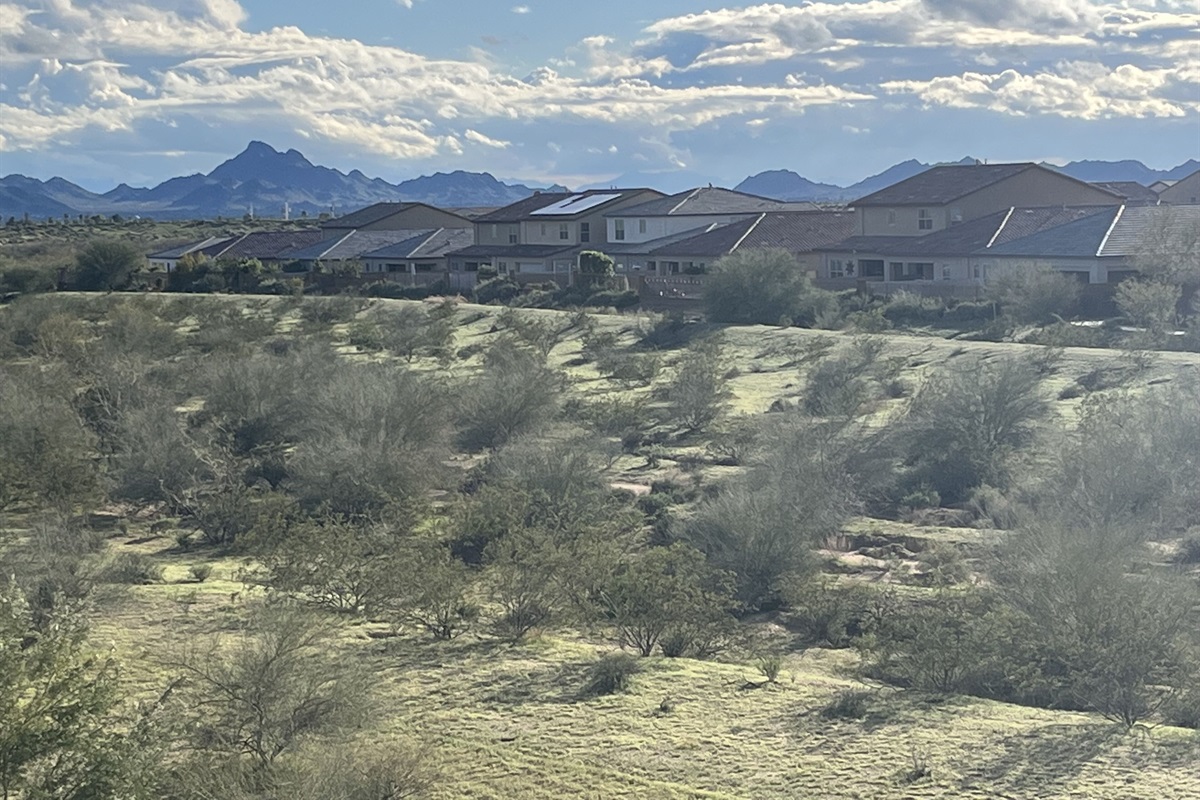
{"points": [[1038, 761]]}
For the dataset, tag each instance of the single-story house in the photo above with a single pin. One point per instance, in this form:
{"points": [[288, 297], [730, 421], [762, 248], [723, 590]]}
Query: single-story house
{"points": [[426, 252]]}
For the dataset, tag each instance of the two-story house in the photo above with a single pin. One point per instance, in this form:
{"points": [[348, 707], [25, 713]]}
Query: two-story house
{"points": [[1183, 192], [544, 234], [635, 231], [888, 222], [394, 217]]}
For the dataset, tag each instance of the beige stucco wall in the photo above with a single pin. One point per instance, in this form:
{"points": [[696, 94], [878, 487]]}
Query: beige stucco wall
{"points": [[658, 227], [495, 233]]}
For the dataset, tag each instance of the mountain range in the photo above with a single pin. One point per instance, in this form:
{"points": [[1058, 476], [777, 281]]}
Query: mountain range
{"points": [[787, 185], [262, 179]]}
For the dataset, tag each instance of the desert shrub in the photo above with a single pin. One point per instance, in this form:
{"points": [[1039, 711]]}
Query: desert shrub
{"points": [[909, 308], [1034, 295], [132, 329], [669, 332], [45, 448], [497, 290], [154, 459], [697, 394], [326, 311], [200, 572], [762, 528], [762, 287], [842, 384], [269, 690], [614, 299], [373, 436], [824, 612], [435, 592], [26, 280], [336, 565], [662, 590], [130, 568], [769, 667], [968, 314], [1149, 304], [106, 265], [967, 424], [847, 704], [516, 393], [610, 674], [521, 579], [412, 330], [617, 415], [630, 369]]}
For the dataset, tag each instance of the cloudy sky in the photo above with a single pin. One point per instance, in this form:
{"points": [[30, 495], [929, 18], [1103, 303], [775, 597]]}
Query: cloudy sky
{"points": [[105, 91]]}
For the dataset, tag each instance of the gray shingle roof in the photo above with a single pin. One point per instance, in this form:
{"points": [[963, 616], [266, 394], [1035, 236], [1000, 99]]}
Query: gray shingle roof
{"points": [[428, 244], [355, 244], [182, 250], [265, 244], [370, 214], [524, 209], [709, 200], [941, 185], [1133, 192], [1079, 239], [513, 250], [795, 231]]}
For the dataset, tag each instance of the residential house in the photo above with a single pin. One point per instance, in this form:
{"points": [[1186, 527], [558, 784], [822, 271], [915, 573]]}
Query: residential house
{"points": [[543, 235], [1183, 192], [271, 248], [1158, 186], [167, 260], [944, 196], [949, 254], [691, 212], [394, 217], [354, 246], [1135, 194], [1104, 247], [424, 253], [801, 233]]}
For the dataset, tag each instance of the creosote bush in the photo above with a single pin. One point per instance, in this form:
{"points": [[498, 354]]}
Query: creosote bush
{"points": [[611, 674]]}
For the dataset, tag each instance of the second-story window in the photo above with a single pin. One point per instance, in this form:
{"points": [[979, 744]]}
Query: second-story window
{"points": [[513, 237], [641, 226], [564, 230], [494, 230], [924, 220], [585, 231], [619, 229], [891, 216], [543, 229]]}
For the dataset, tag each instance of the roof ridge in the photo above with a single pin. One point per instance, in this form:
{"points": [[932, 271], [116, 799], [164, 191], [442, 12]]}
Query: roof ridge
{"points": [[425, 241], [749, 230], [999, 230], [1108, 233], [680, 204]]}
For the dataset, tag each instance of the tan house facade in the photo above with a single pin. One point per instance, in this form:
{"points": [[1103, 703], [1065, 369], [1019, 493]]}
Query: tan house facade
{"points": [[942, 197]]}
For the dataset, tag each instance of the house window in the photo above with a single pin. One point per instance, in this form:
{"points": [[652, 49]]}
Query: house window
{"points": [[619, 230], [641, 226], [543, 229], [502, 266], [564, 230], [495, 231], [512, 237], [924, 220], [425, 266], [837, 268], [955, 216], [892, 217], [945, 272], [585, 231], [975, 272]]}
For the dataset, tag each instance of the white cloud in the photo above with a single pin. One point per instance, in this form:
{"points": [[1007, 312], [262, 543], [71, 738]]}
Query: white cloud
{"points": [[487, 141], [1083, 90], [520, 9]]}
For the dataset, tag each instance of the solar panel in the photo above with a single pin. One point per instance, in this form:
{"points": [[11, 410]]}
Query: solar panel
{"points": [[575, 204]]}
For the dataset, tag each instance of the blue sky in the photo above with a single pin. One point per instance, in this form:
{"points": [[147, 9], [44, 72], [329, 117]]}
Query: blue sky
{"points": [[667, 93]]}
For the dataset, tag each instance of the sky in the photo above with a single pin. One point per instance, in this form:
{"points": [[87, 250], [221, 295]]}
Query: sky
{"points": [[670, 92]]}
